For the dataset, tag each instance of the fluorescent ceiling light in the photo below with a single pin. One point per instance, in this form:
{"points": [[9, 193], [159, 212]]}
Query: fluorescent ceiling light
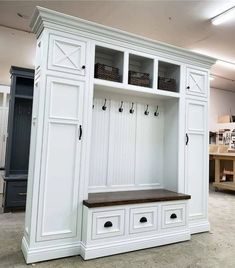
{"points": [[226, 64], [223, 17]]}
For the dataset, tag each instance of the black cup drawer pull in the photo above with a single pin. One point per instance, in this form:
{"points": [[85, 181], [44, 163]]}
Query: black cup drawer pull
{"points": [[143, 219], [173, 216], [108, 224]]}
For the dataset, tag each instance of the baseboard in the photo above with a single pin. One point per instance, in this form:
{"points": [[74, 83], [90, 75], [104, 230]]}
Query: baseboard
{"points": [[48, 253], [199, 226], [96, 251]]}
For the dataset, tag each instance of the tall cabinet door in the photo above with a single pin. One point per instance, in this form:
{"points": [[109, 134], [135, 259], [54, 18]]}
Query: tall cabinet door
{"points": [[61, 153], [196, 159]]}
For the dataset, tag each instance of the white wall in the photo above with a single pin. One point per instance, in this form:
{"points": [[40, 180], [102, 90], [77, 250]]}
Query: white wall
{"points": [[221, 101]]}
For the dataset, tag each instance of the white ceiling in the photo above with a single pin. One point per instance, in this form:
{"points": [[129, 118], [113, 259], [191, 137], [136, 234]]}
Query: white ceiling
{"points": [[181, 23]]}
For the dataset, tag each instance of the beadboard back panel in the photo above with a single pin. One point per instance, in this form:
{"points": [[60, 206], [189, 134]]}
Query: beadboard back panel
{"points": [[124, 146], [99, 144], [149, 146], [121, 146]]}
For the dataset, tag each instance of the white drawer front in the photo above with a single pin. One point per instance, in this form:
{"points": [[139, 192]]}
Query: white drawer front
{"points": [[108, 224], [143, 219], [173, 215]]}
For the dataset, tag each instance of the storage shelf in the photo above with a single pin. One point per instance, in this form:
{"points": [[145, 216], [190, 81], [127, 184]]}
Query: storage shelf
{"points": [[111, 59], [140, 65], [116, 87], [169, 73]]}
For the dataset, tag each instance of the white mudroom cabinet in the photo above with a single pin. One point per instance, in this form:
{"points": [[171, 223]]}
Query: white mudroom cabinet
{"points": [[119, 143]]}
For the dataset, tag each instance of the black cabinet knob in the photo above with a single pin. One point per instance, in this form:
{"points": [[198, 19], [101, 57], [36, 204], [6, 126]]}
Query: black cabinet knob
{"points": [[83, 67], [108, 224], [143, 219], [188, 87], [173, 216]]}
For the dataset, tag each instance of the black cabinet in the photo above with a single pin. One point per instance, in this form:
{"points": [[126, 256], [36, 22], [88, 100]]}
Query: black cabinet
{"points": [[18, 138], [15, 190]]}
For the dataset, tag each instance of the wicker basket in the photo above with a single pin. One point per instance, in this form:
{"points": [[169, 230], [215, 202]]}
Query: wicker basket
{"points": [[166, 83], [106, 72], [139, 79]]}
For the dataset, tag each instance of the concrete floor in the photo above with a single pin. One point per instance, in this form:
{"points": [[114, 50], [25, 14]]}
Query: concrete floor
{"points": [[214, 249]]}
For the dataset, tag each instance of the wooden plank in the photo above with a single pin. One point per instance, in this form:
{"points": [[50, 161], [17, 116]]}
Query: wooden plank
{"points": [[217, 170], [225, 185], [132, 197]]}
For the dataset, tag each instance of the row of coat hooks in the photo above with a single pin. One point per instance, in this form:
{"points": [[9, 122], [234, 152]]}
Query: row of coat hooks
{"points": [[146, 112]]}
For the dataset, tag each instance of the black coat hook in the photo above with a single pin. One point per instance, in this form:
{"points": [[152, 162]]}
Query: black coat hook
{"points": [[132, 108], [156, 112], [147, 110], [104, 106], [121, 109]]}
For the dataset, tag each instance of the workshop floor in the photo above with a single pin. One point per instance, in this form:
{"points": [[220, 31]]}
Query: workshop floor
{"points": [[214, 249]]}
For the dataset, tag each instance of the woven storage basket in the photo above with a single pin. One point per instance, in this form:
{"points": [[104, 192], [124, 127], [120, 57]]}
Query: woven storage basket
{"points": [[139, 79], [106, 72], [166, 83]]}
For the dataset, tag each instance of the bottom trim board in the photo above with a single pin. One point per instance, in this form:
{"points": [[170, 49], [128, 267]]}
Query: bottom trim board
{"points": [[37, 254], [199, 226], [91, 252]]}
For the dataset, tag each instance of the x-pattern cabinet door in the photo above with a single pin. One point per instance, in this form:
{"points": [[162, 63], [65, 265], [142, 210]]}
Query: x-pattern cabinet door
{"points": [[66, 55], [197, 82]]}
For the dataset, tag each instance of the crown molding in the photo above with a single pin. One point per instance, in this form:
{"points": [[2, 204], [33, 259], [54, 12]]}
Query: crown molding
{"points": [[45, 18]]}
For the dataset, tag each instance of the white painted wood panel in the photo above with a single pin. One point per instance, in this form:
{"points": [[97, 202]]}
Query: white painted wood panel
{"points": [[99, 144], [195, 172], [196, 82], [171, 145], [58, 206], [66, 54], [121, 169], [124, 146], [149, 146], [196, 158]]}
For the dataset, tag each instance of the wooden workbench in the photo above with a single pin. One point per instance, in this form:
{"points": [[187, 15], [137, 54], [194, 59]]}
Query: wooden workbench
{"points": [[218, 184]]}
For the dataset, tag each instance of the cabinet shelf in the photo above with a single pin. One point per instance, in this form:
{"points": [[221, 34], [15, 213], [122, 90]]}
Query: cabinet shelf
{"points": [[116, 87]]}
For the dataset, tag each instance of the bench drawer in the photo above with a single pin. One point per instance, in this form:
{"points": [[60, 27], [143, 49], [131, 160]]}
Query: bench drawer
{"points": [[173, 215], [143, 219], [107, 224]]}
